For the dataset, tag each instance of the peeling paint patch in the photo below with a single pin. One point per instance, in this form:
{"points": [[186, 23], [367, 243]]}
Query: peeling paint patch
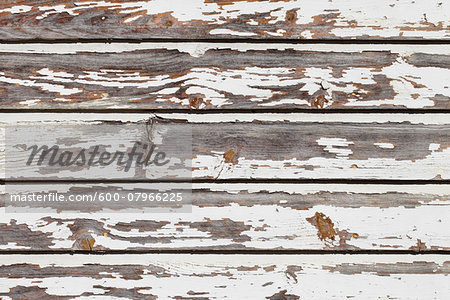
{"points": [[385, 145], [336, 146], [231, 32]]}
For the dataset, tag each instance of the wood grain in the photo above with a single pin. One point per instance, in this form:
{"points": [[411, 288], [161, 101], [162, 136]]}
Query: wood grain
{"points": [[226, 76], [231, 217], [224, 276], [214, 158], [283, 146], [204, 19]]}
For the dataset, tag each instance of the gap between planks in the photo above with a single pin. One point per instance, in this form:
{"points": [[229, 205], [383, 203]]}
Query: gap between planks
{"points": [[337, 181], [416, 253], [323, 117], [390, 41], [228, 111]]}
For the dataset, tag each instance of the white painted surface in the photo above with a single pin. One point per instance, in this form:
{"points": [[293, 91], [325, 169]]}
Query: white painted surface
{"points": [[245, 276], [386, 225], [346, 18]]}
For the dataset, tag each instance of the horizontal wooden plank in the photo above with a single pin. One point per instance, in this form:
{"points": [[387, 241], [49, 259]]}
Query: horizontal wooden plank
{"points": [[204, 19], [224, 277], [209, 76], [231, 216], [284, 146]]}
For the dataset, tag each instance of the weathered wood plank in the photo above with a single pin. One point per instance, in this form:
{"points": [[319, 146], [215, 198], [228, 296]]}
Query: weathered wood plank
{"points": [[286, 146], [204, 19], [208, 76], [232, 216], [224, 277]]}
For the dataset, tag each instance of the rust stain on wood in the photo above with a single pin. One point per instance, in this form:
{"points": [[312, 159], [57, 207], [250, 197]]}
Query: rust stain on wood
{"points": [[324, 226], [230, 157], [327, 232], [87, 244]]}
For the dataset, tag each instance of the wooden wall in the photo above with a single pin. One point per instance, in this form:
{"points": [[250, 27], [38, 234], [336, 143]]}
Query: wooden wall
{"points": [[320, 164]]}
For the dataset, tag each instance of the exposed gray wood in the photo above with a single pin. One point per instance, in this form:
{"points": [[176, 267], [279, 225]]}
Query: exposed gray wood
{"points": [[268, 147], [205, 76], [204, 19], [212, 147], [224, 277], [230, 216]]}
